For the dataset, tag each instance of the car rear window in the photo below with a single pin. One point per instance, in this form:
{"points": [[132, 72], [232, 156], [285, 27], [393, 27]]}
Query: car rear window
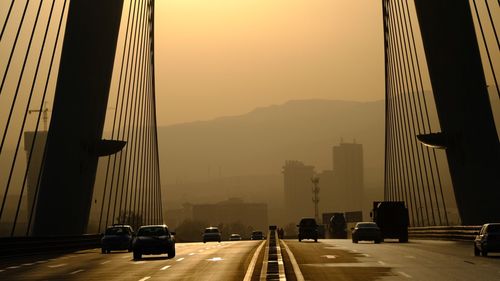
{"points": [[152, 231], [211, 230], [117, 231], [367, 225], [308, 222], [493, 228]]}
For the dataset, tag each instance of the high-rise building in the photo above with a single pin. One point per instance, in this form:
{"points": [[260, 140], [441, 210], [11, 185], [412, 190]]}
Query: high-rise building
{"points": [[348, 168], [298, 190]]}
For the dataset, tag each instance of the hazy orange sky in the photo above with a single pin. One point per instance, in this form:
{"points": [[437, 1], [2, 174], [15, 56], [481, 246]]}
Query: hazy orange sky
{"points": [[225, 57]]}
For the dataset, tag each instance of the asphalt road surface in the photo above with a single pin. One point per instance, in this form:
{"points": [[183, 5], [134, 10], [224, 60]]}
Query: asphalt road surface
{"points": [[426, 260], [193, 261]]}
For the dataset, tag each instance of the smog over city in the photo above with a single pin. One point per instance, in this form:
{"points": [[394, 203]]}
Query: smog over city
{"points": [[189, 121]]}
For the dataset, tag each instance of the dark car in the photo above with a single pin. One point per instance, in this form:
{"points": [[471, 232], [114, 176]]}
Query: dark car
{"points": [[308, 229], [257, 235], [153, 240], [366, 231], [211, 234], [338, 226], [488, 240], [117, 237]]}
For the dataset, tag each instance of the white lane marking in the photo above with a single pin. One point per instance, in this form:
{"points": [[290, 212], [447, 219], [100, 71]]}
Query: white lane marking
{"points": [[44, 261], [404, 274], [215, 259], [295, 265], [27, 264], [366, 255], [329, 256], [139, 262], [165, 267], [76, 271], [57, 265], [14, 267], [180, 259], [105, 262], [410, 257], [251, 266], [145, 278], [381, 262], [190, 254], [125, 257]]}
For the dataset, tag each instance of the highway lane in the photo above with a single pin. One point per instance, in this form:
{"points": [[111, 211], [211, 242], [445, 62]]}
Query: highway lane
{"points": [[339, 259], [193, 261]]}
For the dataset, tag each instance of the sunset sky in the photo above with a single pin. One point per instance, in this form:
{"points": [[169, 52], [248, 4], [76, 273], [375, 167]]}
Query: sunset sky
{"points": [[226, 57]]}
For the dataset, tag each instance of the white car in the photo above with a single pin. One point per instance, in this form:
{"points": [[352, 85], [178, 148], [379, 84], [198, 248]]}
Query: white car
{"points": [[235, 237]]}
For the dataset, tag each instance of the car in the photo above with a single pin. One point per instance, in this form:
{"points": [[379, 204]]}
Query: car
{"points": [[488, 240], [366, 231], [257, 235], [308, 229], [211, 233], [117, 237], [338, 226], [234, 237], [153, 240]]}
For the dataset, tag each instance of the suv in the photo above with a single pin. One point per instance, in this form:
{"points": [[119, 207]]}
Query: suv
{"points": [[117, 237], [308, 229], [211, 234], [257, 235], [488, 239], [154, 240]]}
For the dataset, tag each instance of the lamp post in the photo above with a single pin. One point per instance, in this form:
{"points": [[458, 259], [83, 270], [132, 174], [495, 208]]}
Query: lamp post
{"points": [[315, 199]]}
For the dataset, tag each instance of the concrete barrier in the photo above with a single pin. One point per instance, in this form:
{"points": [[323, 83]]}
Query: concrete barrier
{"points": [[455, 233]]}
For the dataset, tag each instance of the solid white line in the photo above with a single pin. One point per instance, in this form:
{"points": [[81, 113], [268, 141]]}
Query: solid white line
{"points": [[145, 278], [404, 274], [180, 259], [295, 265], [165, 267], [57, 265], [251, 266], [105, 262], [77, 271]]}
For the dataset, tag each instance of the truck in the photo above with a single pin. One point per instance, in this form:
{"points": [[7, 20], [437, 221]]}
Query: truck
{"points": [[338, 226], [392, 219]]}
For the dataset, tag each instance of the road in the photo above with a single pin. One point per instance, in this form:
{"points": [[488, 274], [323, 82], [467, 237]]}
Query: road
{"points": [[340, 259], [193, 261]]}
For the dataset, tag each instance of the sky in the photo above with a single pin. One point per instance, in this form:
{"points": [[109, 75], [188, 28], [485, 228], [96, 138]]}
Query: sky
{"points": [[225, 57]]}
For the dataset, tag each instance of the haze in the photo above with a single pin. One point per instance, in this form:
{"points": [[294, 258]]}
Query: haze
{"points": [[226, 57]]}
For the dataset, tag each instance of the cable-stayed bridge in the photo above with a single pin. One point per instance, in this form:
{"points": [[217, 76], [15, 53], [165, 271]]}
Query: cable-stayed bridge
{"points": [[79, 148]]}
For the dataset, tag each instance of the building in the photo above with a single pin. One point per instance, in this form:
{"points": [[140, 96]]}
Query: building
{"points": [[298, 190], [349, 181]]}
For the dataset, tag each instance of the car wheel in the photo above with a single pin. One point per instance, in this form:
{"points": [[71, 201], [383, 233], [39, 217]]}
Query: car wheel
{"points": [[377, 241], [476, 251], [315, 239], [137, 255], [354, 241], [171, 253], [103, 251]]}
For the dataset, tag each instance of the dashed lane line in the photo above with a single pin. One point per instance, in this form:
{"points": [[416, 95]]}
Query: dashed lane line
{"points": [[381, 262], [105, 262], [145, 278], [180, 259], [165, 267], [404, 274], [190, 254], [76, 271], [14, 267], [57, 265]]}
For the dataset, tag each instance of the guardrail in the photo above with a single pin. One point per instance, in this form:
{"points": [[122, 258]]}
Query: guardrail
{"points": [[14, 246], [456, 233]]}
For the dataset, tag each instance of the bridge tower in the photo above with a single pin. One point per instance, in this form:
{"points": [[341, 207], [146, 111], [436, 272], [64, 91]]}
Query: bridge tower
{"points": [[74, 139], [464, 111]]}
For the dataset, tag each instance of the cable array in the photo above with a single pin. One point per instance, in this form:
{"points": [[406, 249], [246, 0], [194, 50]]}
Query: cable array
{"points": [[127, 187], [412, 171], [130, 187]]}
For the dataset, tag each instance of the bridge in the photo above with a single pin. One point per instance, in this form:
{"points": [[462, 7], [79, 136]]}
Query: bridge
{"points": [[95, 161]]}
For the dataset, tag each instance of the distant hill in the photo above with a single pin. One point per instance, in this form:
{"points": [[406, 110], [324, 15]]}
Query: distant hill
{"points": [[259, 142]]}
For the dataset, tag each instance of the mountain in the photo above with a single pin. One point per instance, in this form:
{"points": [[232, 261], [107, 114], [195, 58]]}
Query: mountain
{"points": [[259, 142]]}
